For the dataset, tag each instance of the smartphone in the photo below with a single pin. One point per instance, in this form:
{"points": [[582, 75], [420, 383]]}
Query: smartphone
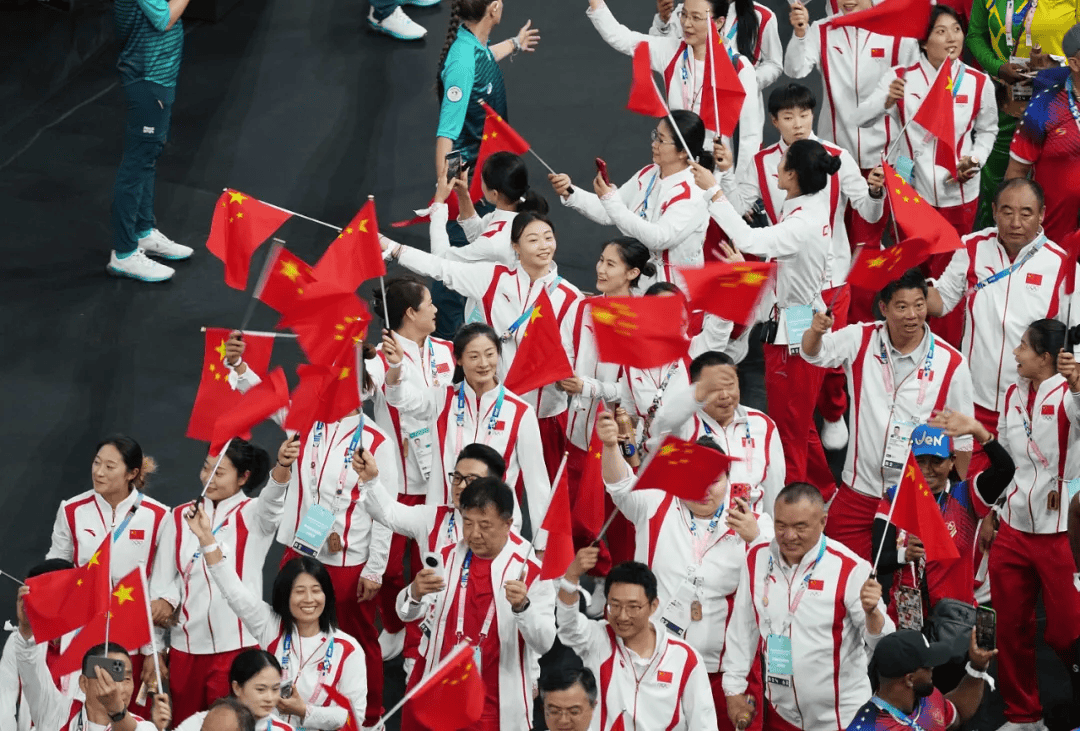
{"points": [[740, 490], [601, 167], [111, 665], [432, 561], [454, 161], [985, 628], [286, 690]]}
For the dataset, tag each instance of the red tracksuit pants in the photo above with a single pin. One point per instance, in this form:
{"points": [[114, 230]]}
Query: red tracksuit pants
{"points": [[196, 681]]}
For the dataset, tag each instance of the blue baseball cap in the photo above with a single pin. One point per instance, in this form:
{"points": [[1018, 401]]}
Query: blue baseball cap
{"points": [[930, 440]]}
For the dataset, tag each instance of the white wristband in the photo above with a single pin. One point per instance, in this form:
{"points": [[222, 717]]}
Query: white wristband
{"points": [[979, 674], [207, 550], [711, 192], [568, 586]]}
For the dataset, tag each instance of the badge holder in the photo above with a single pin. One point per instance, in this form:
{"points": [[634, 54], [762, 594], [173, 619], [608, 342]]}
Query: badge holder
{"points": [[797, 320], [314, 530], [909, 611], [905, 168], [1022, 91], [679, 611], [897, 445], [779, 664], [420, 445]]}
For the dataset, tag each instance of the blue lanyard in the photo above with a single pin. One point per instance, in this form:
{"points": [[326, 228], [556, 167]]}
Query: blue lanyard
{"points": [[957, 80], [1070, 95], [895, 712], [450, 528], [324, 666], [524, 316], [997, 276], [131, 514], [492, 420], [465, 569], [644, 212], [431, 362], [712, 523]]}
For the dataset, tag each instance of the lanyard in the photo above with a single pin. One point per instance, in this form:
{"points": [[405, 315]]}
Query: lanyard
{"points": [[893, 710], [286, 653], [1031, 442], [316, 444], [701, 545], [794, 604], [119, 532], [925, 374], [1010, 24], [432, 365], [959, 78], [527, 313], [493, 419], [651, 413], [451, 534], [997, 276], [748, 442], [198, 552], [688, 75], [462, 591], [643, 210]]}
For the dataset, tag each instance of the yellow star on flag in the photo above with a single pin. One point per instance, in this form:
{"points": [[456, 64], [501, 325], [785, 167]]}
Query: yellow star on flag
{"points": [[220, 350], [876, 262], [910, 474], [604, 317], [235, 197], [344, 373], [78, 583], [535, 315], [362, 226], [123, 594], [753, 278], [290, 270], [94, 559]]}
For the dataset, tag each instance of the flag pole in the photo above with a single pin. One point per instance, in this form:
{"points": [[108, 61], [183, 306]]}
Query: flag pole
{"points": [[532, 543], [195, 506], [150, 623], [17, 581], [541, 160], [671, 119], [299, 215], [603, 530], [381, 723], [108, 593], [888, 520], [382, 284], [275, 247], [712, 65], [261, 333]]}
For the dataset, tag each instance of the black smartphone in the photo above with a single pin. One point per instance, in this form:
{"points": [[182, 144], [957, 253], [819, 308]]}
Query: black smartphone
{"points": [[454, 161], [985, 628], [111, 665]]}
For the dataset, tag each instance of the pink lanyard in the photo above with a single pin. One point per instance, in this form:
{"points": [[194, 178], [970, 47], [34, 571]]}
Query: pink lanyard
{"points": [[794, 604], [925, 374], [688, 76], [703, 543], [1031, 442], [194, 558], [462, 591], [316, 460]]}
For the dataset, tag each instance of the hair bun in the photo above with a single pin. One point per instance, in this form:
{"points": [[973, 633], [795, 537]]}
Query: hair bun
{"points": [[149, 467], [833, 164]]}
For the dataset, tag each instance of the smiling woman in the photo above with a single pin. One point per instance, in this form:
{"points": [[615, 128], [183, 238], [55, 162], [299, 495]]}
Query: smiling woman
{"points": [[255, 680]]}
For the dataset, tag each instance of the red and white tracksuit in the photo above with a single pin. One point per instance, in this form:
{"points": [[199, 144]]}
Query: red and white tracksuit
{"points": [[886, 386], [332, 659], [827, 631], [489, 237], [642, 392], [1030, 555]]}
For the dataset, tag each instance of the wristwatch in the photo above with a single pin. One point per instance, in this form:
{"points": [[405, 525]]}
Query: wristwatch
{"points": [[524, 606], [118, 717]]}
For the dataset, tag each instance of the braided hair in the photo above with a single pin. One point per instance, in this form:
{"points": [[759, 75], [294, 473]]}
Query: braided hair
{"points": [[460, 11]]}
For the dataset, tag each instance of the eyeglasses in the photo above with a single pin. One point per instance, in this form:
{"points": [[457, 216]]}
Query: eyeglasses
{"points": [[554, 712], [457, 478], [695, 18], [631, 610], [655, 137]]}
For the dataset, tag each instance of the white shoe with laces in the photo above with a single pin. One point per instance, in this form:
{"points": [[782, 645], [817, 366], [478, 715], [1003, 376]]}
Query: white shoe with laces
{"points": [[834, 434], [138, 266], [398, 25], [158, 244]]}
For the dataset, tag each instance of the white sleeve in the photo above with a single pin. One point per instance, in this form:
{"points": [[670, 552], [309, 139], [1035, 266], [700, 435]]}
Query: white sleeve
{"points": [[676, 222], [471, 279], [380, 536], [775, 473], [785, 240], [676, 411], [529, 454], [872, 107], [581, 634], [407, 609], [1072, 408], [412, 521], [961, 399], [715, 336], [837, 347], [588, 204], [269, 506], [671, 29], [751, 117], [9, 685], [698, 704], [422, 403], [480, 249], [537, 623], [63, 545], [48, 706], [256, 614], [952, 283], [352, 683], [741, 639], [473, 226], [165, 578], [614, 33], [853, 602], [637, 506], [854, 186], [986, 124], [770, 64], [742, 187], [802, 54]]}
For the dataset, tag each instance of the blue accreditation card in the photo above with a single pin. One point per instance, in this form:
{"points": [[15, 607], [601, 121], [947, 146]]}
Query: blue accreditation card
{"points": [[314, 530], [797, 320], [778, 655]]}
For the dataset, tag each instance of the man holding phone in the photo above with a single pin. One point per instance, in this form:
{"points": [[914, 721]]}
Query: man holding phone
{"points": [[106, 683]]}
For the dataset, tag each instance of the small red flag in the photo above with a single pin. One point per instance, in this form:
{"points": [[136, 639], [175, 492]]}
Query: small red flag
{"points": [[559, 553], [498, 137], [722, 93], [916, 218], [335, 695], [728, 290], [590, 505], [452, 697], [640, 332], [904, 18], [683, 469], [129, 626], [451, 214], [216, 396], [240, 226], [287, 276], [62, 601], [936, 116], [644, 96], [1071, 245], [326, 322], [872, 270], [355, 256], [540, 358], [916, 510], [324, 394], [254, 406]]}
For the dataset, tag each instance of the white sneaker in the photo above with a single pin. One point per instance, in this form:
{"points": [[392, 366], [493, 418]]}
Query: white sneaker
{"points": [[397, 24], [158, 244], [834, 434], [391, 644], [139, 266], [1030, 726], [420, 3]]}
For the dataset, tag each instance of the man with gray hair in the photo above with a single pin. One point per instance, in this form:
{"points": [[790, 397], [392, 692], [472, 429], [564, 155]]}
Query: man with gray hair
{"points": [[228, 714], [1048, 140]]}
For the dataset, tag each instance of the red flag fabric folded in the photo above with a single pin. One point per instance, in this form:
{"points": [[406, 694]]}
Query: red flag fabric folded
{"points": [[559, 553], [644, 96], [326, 322], [452, 697], [904, 18], [1071, 244], [215, 395], [324, 394], [730, 291], [129, 626], [916, 218], [287, 276], [498, 137], [874, 269], [451, 214], [340, 699], [722, 93], [683, 469], [240, 226], [937, 117], [916, 510], [589, 506], [355, 256], [640, 332], [254, 406], [62, 601], [540, 358]]}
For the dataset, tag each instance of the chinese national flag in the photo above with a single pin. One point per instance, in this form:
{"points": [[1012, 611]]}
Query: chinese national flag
{"points": [[683, 469], [335, 695], [936, 116], [452, 697], [644, 96], [589, 507], [916, 218], [873, 270], [129, 626], [540, 358], [326, 322], [287, 276], [904, 18], [498, 137], [62, 601], [640, 332], [728, 290], [559, 553], [355, 256], [241, 224], [721, 91], [216, 396], [254, 406], [324, 394], [423, 217], [916, 510]]}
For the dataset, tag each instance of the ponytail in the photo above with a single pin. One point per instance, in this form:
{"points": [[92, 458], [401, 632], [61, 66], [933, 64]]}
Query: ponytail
{"points": [[149, 467], [460, 11], [812, 165], [506, 173], [747, 33]]}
